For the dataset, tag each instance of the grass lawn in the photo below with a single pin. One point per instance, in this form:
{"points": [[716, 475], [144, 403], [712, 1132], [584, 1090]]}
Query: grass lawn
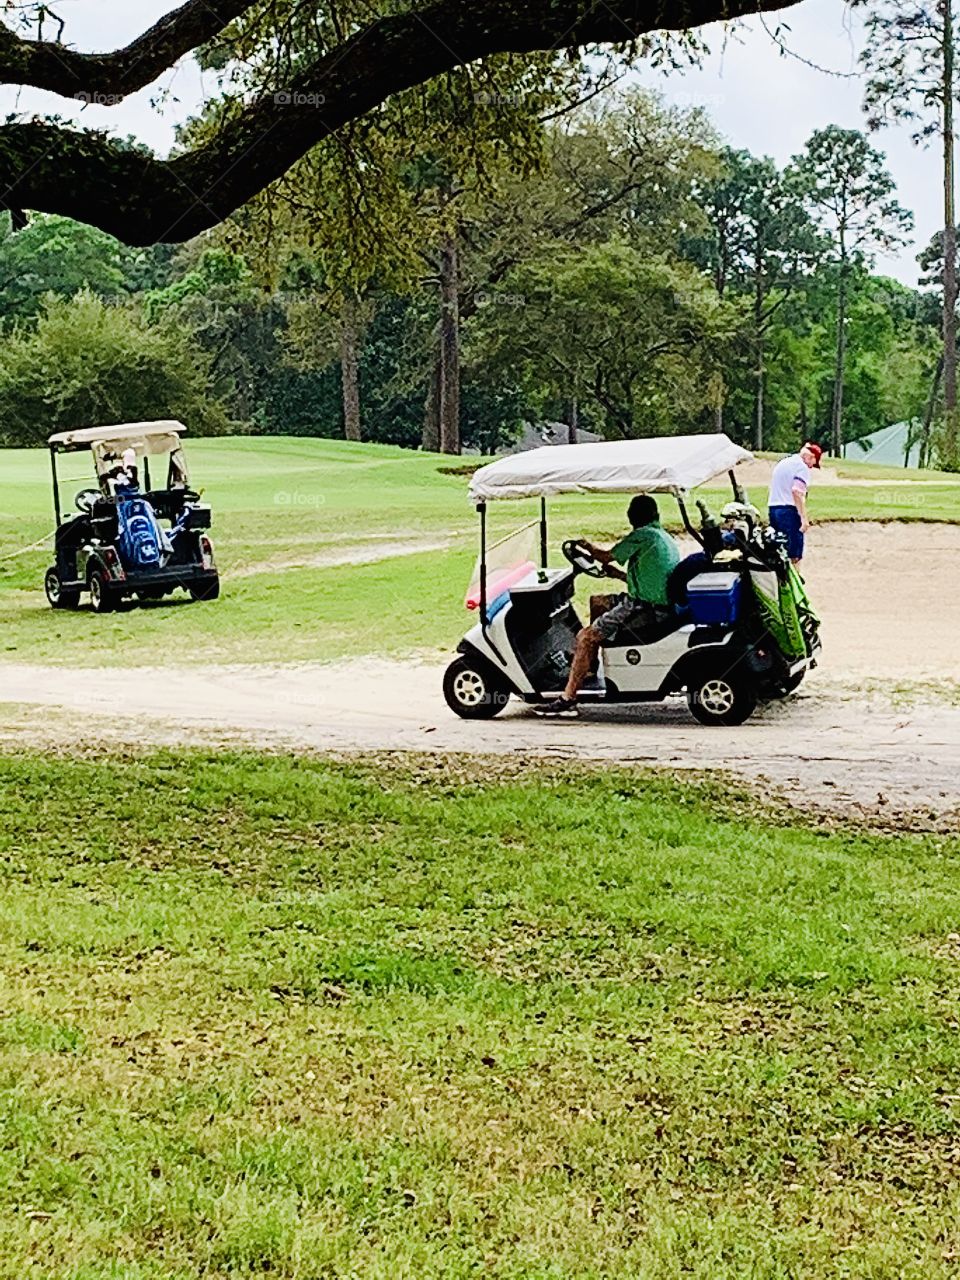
{"points": [[280, 501], [271, 1015]]}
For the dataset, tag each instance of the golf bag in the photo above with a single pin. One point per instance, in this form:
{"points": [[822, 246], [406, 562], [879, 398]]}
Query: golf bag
{"points": [[141, 541]]}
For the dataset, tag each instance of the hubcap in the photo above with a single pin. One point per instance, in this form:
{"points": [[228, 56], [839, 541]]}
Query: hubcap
{"points": [[470, 689], [53, 588], [717, 697]]}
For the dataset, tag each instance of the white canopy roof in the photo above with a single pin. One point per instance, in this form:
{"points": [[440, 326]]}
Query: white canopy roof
{"points": [[124, 433], [664, 464]]}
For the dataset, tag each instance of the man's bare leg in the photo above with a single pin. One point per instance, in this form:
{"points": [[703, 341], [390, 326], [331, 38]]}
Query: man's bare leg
{"points": [[585, 655], [599, 605]]}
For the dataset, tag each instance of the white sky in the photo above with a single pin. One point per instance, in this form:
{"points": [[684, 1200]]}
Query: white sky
{"points": [[758, 99]]}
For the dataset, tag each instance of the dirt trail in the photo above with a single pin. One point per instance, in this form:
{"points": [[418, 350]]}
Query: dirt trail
{"points": [[844, 747], [891, 610]]}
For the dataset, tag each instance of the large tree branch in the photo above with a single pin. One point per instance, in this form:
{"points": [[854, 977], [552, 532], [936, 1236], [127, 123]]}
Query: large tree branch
{"points": [[107, 78], [143, 200]]}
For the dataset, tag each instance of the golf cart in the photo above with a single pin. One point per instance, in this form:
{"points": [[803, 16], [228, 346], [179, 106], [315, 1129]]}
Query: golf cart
{"points": [[744, 634], [130, 538]]}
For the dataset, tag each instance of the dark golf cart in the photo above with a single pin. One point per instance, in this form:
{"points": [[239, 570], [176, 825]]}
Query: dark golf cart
{"points": [[131, 536]]}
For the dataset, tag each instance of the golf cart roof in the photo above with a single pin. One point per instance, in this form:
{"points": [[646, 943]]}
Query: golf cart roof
{"points": [[146, 437], [664, 464]]}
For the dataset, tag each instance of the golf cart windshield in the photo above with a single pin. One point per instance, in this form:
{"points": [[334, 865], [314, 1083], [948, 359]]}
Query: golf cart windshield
{"points": [[106, 455], [665, 464], [146, 439]]}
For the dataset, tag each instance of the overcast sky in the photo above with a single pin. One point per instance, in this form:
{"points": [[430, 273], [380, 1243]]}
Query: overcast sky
{"points": [[758, 98]]}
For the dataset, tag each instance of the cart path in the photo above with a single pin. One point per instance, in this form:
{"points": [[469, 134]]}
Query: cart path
{"points": [[832, 743]]}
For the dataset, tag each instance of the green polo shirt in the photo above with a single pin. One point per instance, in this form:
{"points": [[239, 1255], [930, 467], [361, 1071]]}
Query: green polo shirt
{"points": [[650, 555]]}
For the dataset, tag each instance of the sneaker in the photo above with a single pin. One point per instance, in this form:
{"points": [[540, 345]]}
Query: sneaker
{"points": [[560, 707]]}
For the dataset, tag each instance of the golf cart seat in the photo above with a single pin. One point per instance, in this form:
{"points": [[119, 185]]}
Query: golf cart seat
{"points": [[641, 634]]}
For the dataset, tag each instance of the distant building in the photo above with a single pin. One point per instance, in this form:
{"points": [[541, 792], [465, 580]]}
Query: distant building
{"points": [[886, 447], [535, 436]]}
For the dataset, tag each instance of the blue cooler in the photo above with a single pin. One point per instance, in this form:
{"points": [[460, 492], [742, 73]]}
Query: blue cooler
{"points": [[714, 599]]}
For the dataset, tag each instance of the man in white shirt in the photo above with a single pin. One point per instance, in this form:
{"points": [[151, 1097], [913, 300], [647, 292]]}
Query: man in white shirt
{"points": [[788, 497]]}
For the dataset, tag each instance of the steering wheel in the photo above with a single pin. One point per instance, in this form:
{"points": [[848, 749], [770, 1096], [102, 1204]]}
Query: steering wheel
{"points": [[583, 559], [86, 499]]}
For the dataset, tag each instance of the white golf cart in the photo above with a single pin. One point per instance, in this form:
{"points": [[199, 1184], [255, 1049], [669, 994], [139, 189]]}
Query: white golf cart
{"points": [[742, 630]]}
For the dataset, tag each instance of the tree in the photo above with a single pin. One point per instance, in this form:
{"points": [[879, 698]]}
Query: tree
{"points": [[762, 243], [58, 255], [87, 362], [910, 61], [47, 166], [638, 337], [851, 196]]}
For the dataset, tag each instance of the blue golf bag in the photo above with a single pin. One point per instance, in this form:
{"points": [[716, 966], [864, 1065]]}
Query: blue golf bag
{"points": [[141, 542]]}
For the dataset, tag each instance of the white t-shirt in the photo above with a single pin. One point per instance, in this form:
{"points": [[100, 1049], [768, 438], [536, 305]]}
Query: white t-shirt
{"points": [[789, 474]]}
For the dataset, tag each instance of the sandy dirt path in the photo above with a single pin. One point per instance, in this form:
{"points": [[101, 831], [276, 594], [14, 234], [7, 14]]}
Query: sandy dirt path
{"points": [[891, 609], [843, 747]]}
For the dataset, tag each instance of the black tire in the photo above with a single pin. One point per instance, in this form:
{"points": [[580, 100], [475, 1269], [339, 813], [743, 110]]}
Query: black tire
{"points": [[59, 596], [208, 589], [471, 693], [717, 696], [104, 597]]}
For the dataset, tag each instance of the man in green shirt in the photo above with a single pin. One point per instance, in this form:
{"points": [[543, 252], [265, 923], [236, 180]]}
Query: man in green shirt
{"points": [[650, 555]]}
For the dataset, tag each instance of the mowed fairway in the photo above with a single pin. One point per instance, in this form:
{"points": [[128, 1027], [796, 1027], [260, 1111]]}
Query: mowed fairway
{"points": [[280, 1016], [328, 550]]}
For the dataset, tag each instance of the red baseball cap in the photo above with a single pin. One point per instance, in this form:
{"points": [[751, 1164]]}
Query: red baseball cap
{"points": [[817, 453]]}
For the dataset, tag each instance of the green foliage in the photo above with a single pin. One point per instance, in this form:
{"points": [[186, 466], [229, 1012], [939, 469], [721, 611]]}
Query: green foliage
{"points": [[852, 194], [619, 260], [636, 336], [86, 362], [903, 61], [59, 256]]}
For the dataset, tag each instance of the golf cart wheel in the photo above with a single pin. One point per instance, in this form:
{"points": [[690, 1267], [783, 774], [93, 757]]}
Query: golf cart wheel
{"points": [[470, 692], [103, 596], [59, 596], [209, 589], [720, 697]]}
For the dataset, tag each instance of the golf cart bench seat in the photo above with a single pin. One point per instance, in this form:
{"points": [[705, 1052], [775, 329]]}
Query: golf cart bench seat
{"points": [[631, 636]]}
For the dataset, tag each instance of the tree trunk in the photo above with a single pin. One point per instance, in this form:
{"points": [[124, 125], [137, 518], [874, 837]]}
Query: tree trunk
{"points": [[573, 425], [350, 370], [951, 441], [720, 282], [760, 371], [431, 416], [449, 390], [836, 434], [924, 459]]}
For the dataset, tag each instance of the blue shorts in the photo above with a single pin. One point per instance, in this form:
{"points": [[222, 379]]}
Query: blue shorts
{"points": [[786, 520]]}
